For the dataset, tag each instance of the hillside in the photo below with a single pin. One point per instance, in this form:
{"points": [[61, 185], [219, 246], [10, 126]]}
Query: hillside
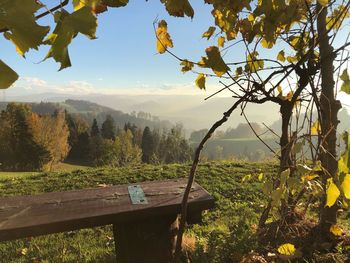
{"points": [[89, 111]]}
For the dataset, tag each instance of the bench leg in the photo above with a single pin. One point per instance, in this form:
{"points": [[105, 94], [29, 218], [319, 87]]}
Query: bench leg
{"points": [[147, 241]]}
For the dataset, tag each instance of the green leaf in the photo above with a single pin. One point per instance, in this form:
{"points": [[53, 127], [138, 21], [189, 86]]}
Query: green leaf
{"points": [[186, 65], [267, 187], [178, 8], [7, 76], [276, 196], [345, 87], [163, 38], [284, 176], [19, 18], [209, 32], [332, 192], [68, 26], [115, 3], [346, 186], [215, 61], [200, 81]]}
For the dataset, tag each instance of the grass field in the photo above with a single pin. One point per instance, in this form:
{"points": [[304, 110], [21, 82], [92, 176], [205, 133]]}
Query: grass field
{"points": [[227, 232], [61, 167], [222, 180]]}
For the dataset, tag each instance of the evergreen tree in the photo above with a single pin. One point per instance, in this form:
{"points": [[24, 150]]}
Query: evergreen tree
{"points": [[108, 129], [147, 145], [95, 130]]}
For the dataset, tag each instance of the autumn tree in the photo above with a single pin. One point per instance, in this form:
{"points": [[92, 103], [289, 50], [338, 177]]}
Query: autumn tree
{"points": [[52, 133]]}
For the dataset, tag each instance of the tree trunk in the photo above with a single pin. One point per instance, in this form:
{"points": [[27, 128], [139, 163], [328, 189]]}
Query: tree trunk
{"points": [[329, 117]]}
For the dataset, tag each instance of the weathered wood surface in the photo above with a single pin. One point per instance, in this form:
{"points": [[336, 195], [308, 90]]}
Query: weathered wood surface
{"points": [[24, 216]]}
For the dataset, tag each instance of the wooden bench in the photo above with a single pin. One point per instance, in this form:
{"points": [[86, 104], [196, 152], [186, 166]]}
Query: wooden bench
{"points": [[144, 215]]}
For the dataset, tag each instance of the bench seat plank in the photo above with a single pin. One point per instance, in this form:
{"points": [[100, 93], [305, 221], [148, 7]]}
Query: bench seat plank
{"points": [[23, 216]]}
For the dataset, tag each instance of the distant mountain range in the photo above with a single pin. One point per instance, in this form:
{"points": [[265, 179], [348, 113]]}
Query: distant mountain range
{"points": [[192, 111], [89, 111]]}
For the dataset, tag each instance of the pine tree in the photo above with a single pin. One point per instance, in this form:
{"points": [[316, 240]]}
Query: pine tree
{"points": [[95, 130], [147, 145], [108, 129]]}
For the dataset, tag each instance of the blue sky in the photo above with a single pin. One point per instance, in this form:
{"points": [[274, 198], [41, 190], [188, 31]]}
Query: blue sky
{"points": [[123, 58], [124, 55]]}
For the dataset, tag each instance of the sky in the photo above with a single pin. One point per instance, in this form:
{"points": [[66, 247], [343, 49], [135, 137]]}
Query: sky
{"points": [[123, 58]]}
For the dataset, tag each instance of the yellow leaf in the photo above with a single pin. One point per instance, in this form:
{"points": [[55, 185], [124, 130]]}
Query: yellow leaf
{"points": [[346, 186], [315, 128], [200, 81], [163, 38], [253, 62], [215, 61], [266, 44], [24, 251], [186, 65], [221, 41], [203, 63], [97, 6], [209, 32], [251, 18], [332, 192], [309, 177], [345, 87], [323, 2], [287, 249], [279, 89], [292, 59], [336, 230], [7, 76], [281, 56]]}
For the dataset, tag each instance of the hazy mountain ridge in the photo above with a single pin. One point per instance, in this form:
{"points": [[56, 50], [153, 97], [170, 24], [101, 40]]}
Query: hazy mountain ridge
{"points": [[89, 110]]}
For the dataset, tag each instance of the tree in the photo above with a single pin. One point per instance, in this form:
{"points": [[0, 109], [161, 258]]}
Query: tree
{"points": [[108, 128], [19, 149], [52, 133], [79, 138], [129, 152], [147, 145], [95, 130]]}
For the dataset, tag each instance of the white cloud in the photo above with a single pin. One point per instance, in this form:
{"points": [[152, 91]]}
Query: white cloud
{"points": [[34, 85]]}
